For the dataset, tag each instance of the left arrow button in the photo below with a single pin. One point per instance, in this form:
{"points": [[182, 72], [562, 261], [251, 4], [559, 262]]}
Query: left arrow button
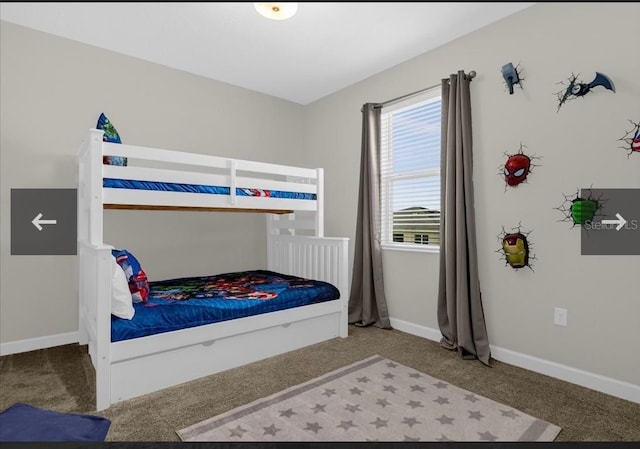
{"points": [[37, 221]]}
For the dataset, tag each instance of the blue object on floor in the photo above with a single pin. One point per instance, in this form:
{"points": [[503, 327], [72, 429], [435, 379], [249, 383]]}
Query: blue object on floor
{"points": [[22, 422]]}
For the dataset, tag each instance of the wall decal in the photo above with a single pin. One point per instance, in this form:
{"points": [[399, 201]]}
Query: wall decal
{"points": [[511, 76], [517, 167], [515, 248], [581, 208], [632, 139], [578, 89]]}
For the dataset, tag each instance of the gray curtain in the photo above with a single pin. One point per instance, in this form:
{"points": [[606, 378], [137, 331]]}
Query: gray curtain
{"points": [[367, 303], [460, 313]]}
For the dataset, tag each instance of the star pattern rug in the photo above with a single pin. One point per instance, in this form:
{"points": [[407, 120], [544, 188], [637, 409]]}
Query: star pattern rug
{"points": [[375, 399]]}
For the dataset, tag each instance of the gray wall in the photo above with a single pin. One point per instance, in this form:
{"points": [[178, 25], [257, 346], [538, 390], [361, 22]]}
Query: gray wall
{"points": [[53, 91], [578, 148]]}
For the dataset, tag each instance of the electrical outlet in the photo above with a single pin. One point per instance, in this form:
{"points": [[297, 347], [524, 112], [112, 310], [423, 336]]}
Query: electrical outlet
{"points": [[560, 316]]}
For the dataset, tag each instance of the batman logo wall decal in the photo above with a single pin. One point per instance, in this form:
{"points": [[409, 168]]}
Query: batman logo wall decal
{"points": [[578, 89]]}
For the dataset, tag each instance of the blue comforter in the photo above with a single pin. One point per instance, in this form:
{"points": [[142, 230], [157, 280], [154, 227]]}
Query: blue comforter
{"points": [[187, 302]]}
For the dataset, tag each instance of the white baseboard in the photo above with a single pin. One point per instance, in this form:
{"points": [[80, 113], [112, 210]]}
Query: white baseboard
{"points": [[33, 344], [608, 385]]}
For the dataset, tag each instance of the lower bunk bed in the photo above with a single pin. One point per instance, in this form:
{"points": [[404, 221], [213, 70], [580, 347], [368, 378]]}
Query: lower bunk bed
{"points": [[131, 358], [194, 327]]}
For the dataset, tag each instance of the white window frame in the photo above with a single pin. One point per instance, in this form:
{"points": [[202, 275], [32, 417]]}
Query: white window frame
{"points": [[386, 180]]}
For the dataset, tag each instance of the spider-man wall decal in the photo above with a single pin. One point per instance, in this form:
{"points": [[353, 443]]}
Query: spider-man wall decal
{"points": [[517, 168]]}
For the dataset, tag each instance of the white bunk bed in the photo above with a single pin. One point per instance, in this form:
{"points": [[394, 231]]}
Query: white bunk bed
{"points": [[123, 368]]}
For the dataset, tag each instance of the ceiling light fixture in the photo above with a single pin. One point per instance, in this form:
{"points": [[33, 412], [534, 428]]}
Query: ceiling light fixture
{"points": [[277, 11]]}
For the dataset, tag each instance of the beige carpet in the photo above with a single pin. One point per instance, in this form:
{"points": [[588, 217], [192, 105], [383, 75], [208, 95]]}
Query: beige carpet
{"points": [[63, 379], [375, 399]]}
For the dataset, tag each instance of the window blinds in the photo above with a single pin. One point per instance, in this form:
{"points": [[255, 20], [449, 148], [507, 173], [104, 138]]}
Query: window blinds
{"points": [[410, 170]]}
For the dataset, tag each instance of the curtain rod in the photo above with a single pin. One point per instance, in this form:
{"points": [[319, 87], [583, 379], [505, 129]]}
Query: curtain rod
{"points": [[471, 75]]}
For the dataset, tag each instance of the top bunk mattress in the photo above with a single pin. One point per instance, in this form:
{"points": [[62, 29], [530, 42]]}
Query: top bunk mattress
{"points": [[113, 183], [181, 303]]}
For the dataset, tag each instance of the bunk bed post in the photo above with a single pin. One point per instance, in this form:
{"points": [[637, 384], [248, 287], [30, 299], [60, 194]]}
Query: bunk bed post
{"points": [[90, 149], [94, 159], [272, 231], [232, 182], [320, 203], [103, 266], [343, 283], [95, 267], [82, 224]]}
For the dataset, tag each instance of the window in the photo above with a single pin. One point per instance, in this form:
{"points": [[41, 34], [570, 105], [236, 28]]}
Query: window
{"points": [[410, 171]]}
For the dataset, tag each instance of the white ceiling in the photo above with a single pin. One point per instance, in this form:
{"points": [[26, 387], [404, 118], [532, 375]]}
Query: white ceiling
{"points": [[325, 47]]}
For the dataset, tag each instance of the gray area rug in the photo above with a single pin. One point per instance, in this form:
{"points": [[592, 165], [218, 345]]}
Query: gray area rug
{"points": [[375, 399]]}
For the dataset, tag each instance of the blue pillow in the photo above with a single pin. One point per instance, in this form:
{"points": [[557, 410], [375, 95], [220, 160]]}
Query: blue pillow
{"points": [[22, 422], [136, 277], [110, 135]]}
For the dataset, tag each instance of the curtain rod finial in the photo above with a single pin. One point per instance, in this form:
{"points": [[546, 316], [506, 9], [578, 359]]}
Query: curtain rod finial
{"points": [[472, 74]]}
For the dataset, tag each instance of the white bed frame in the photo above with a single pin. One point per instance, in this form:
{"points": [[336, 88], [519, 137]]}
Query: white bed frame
{"points": [[130, 368]]}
